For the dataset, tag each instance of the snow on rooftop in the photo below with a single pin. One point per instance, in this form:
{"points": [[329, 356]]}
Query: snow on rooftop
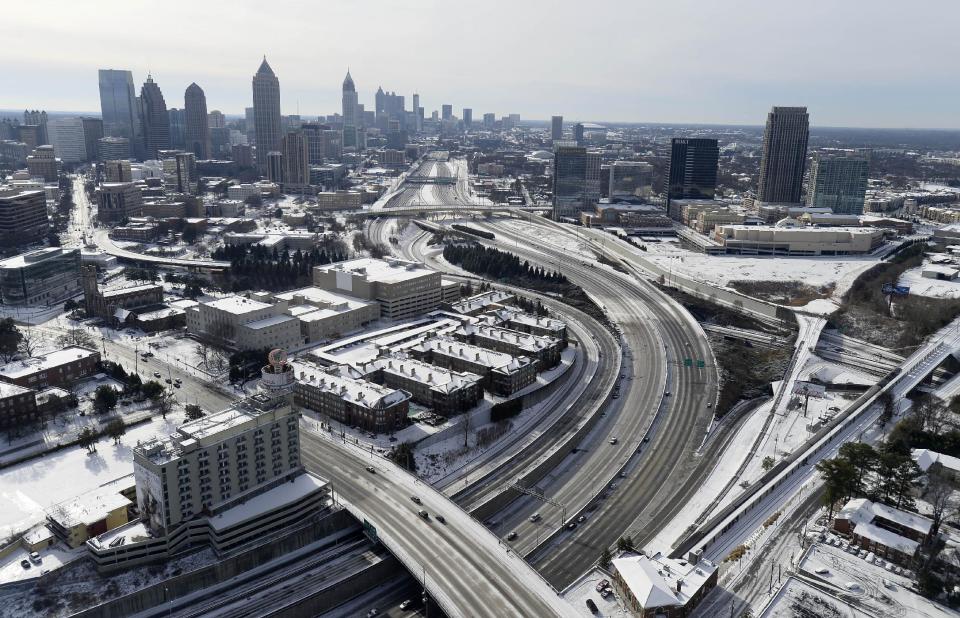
{"points": [[47, 361], [281, 495], [324, 299], [654, 580], [524, 341], [926, 458], [479, 301], [475, 354], [348, 385], [862, 511], [237, 304], [268, 322], [11, 390], [92, 506], [886, 538], [131, 289], [384, 271], [440, 379]]}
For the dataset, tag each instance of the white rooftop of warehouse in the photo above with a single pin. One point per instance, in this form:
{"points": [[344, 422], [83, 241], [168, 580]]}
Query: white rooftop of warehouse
{"points": [[385, 271], [237, 304], [341, 381], [46, 361]]}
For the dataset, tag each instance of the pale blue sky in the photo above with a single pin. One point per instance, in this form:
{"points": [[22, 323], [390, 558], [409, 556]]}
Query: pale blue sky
{"points": [[874, 63]]}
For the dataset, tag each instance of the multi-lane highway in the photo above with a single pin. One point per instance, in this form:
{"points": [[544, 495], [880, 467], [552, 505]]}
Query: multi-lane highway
{"points": [[468, 571]]}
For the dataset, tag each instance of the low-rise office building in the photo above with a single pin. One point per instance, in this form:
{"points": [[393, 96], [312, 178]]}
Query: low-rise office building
{"points": [[43, 163], [776, 240], [42, 277], [657, 586], [83, 517], [117, 201], [403, 289], [243, 323], [327, 315], [60, 368], [502, 373], [337, 200], [445, 391], [342, 393]]}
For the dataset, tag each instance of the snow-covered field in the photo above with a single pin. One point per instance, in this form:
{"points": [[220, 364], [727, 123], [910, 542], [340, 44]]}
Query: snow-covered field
{"points": [[935, 288], [27, 489], [720, 270]]}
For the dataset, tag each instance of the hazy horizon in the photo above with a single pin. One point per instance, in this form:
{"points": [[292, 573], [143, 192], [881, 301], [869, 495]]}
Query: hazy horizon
{"points": [[855, 64]]}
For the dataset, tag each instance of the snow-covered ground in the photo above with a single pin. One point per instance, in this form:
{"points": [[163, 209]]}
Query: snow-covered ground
{"points": [[935, 288], [720, 270], [28, 488], [577, 593]]}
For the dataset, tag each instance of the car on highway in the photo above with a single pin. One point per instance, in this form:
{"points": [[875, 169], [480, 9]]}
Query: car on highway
{"points": [[440, 518], [571, 525], [511, 536], [666, 393], [582, 518], [423, 514], [535, 518], [416, 499], [371, 469], [406, 605], [613, 440]]}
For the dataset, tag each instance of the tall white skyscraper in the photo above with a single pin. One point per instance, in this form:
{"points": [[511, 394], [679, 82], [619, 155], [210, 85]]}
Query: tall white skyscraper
{"points": [[68, 139]]}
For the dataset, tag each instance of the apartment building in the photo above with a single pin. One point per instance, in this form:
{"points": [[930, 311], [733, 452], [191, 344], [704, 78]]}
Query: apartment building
{"points": [[502, 373], [18, 406], [445, 391], [485, 301], [343, 394], [60, 368], [545, 349], [533, 324], [403, 289]]}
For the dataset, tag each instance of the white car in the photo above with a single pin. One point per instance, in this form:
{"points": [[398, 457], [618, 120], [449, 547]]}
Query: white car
{"points": [[822, 571]]}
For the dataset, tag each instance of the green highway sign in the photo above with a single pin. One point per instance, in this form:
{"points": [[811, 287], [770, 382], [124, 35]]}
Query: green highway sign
{"points": [[688, 362], [700, 363]]}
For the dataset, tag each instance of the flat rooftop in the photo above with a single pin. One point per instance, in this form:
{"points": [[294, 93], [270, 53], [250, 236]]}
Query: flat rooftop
{"points": [[348, 384], [33, 257], [50, 360], [92, 506], [132, 289], [268, 322], [439, 379], [237, 304], [325, 299], [383, 271]]}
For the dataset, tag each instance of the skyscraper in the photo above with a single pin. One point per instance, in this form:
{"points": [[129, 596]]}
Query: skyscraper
{"points": [[67, 137], [296, 160], [447, 112], [92, 132], [118, 104], [349, 110], [784, 155], [154, 120], [197, 130], [417, 113], [576, 181], [467, 117], [177, 128], [692, 173], [556, 128], [838, 183], [578, 133], [266, 113]]}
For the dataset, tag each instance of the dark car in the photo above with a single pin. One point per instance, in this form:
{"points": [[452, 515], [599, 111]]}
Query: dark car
{"points": [[416, 499], [592, 606], [440, 518]]}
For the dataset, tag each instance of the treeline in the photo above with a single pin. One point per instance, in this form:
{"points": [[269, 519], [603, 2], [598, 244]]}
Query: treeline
{"points": [[255, 267], [473, 231], [497, 264]]}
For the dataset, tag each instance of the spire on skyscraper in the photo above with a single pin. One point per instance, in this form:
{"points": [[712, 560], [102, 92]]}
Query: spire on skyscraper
{"points": [[348, 82], [264, 68]]}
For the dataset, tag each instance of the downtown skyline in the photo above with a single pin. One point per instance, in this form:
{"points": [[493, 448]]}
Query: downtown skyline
{"points": [[712, 66]]}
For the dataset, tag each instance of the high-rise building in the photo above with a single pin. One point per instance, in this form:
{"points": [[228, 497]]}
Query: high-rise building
{"points": [[417, 113], [350, 111], [32, 135], [249, 125], [296, 160], [113, 148], [838, 183], [23, 216], [275, 166], [117, 170], [154, 119], [180, 172], [68, 140], [446, 112], [630, 179], [43, 163], [39, 119], [576, 180], [784, 155], [178, 128], [489, 121], [92, 132], [242, 155], [578, 133], [117, 201], [266, 113], [467, 117], [556, 128], [216, 119], [692, 173], [118, 106], [197, 130]]}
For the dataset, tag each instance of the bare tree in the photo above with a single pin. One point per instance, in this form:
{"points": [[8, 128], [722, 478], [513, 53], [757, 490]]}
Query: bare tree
{"points": [[77, 337], [29, 341], [203, 351], [165, 403], [940, 495], [218, 360]]}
